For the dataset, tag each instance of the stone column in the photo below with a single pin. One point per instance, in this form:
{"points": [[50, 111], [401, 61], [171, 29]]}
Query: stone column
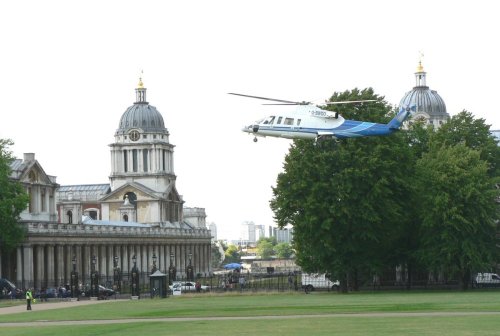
{"points": [[79, 254], [86, 262], [28, 271], [209, 258], [110, 260], [68, 254], [145, 262], [163, 258], [19, 265], [125, 258], [51, 277], [40, 267], [59, 256], [101, 260]]}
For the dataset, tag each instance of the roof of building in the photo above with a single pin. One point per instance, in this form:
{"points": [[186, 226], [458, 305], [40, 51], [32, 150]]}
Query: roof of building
{"points": [[141, 115], [426, 100], [98, 188], [83, 192]]}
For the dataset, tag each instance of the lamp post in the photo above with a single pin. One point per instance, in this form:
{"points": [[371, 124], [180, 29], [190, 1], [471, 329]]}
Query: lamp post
{"points": [[171, 270], [94, 279], [153, 269], [134, 282], [74, 279], [117, 276], [189, 268]]}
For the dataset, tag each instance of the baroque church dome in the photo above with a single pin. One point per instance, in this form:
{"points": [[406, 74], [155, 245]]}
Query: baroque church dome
{"points": [[141, 115], [430, 105]]}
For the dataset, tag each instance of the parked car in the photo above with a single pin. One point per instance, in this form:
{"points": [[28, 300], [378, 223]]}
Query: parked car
{"points": [[487, 280], [104, 292], [187, 286], [9, 291]]}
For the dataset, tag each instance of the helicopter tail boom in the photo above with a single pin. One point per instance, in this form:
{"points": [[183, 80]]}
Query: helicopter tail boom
{"points": [[403, 113]]}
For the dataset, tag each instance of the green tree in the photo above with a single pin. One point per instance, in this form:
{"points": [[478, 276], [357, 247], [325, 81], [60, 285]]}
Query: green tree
{"points": [[265, 248], [474, 133], [346, 200], [13, 200], [232, 254], [283, 250], [216, 255], [271, 240], [457, 198]]}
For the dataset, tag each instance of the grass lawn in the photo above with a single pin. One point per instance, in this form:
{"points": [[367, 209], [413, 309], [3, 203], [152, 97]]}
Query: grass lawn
{"points": [[281, 305]]}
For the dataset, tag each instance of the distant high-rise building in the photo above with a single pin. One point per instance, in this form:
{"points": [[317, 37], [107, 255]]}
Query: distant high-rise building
{"points": [[213, 229], [284, 235]]}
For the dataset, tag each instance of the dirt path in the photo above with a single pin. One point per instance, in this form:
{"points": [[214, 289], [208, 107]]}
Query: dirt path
{"points": [[49, 305]]}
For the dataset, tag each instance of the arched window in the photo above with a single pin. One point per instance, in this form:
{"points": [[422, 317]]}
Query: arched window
{"points": [[70, 216], [93, 214], [125, 218]]}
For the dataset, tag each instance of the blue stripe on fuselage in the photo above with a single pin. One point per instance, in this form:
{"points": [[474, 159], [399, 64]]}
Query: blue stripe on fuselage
{"points": [[348, 129]]}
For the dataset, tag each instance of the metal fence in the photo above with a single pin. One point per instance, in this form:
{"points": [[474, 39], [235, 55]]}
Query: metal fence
{"points": [[257, 282]]}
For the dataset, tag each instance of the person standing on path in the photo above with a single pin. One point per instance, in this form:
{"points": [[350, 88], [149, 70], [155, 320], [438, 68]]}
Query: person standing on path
{"points": [[29, 298]]}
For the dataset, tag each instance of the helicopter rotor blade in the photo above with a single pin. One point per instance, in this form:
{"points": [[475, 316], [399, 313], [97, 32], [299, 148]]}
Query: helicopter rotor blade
{"points": [[349, 102], [280, 104], [285, 102]]}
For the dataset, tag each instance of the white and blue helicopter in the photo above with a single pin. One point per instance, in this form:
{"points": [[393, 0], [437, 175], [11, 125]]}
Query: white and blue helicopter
{"points": [[308, 121]]}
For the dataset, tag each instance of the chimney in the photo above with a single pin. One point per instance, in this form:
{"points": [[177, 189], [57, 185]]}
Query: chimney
{"points": [[29, 157]]}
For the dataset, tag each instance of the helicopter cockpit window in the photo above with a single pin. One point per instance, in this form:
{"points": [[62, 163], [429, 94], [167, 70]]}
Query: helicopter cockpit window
{"points": [[298, 122], [269, 120], [279, 120], [288, 121]]}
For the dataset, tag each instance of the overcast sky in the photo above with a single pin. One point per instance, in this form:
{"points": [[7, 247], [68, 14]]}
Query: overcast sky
{"points": [[69, 70]]}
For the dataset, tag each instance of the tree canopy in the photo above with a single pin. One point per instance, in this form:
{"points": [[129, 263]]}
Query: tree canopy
{"points": [[361, 206], [13, 200], [458, 211], [345, 199]]}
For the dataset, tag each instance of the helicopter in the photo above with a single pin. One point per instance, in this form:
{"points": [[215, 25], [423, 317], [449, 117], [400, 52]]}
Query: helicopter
{"points": [[309, 121]]}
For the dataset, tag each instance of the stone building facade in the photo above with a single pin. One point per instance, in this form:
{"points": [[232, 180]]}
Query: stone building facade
{"points": [[138, 216]]}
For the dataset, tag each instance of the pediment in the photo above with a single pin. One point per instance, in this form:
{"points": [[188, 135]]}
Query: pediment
{"points": [[33, 173], [143, 193]]}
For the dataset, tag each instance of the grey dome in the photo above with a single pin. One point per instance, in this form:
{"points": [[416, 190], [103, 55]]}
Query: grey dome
{"points": [[141, 115], [144, 116], [426, 100]]}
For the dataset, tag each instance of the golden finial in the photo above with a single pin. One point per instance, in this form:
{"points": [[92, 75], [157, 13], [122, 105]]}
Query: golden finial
{"points": [[141, 84], [420, 68]]}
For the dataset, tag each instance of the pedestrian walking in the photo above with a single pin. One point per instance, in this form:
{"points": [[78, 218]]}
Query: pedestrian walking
{"points": [[29, 298]]}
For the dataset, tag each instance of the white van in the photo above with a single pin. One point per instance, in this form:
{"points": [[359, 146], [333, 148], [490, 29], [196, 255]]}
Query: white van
{"points": [[487, 280], [313, 281]]}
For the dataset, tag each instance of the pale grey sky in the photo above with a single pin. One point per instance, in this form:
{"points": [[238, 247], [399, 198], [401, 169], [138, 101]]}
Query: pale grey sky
{"points": [[69, 70]]}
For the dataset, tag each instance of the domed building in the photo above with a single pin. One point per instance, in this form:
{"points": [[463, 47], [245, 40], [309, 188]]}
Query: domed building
{"points": [[430, 105], [142, 169], [134, 223]]}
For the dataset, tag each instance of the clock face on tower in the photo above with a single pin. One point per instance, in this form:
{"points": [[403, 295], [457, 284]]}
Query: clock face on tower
{"points": [[134, 135]]}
